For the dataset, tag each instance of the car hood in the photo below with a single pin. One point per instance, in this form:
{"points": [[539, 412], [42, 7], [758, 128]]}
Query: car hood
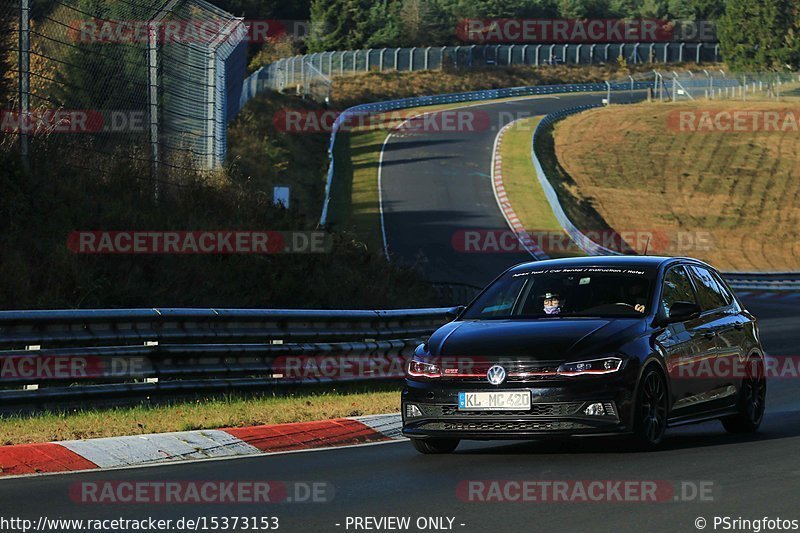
{"points": [[533, 340]]}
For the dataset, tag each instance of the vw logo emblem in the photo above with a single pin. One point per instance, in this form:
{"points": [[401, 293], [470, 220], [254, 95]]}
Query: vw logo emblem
{"points": [[496, 375]]}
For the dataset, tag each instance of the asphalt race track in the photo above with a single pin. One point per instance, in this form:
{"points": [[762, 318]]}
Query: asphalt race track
{"points": [[750, 477], [435, 184]]}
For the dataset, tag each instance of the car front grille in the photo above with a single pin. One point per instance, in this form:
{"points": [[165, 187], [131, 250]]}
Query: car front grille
{"points": [[540, 409], [510, 425], [470, 370]]}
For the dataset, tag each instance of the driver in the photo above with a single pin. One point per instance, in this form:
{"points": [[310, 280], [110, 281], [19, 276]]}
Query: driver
{"points": [[637, 297], [553, 303]]}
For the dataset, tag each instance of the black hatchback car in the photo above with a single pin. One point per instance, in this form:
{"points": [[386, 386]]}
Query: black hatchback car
{"points": [[588, 346]]}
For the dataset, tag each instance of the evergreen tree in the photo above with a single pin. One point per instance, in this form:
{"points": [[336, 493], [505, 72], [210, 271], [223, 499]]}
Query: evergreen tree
{"points": [[760, 34]]}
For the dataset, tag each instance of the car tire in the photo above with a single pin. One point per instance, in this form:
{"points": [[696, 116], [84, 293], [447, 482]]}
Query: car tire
{"points": [[431, 446], [652, 401], [752, 400]]}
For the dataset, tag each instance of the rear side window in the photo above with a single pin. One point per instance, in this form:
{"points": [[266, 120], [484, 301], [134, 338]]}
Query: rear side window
{"points": [[677, 288], [709, 292]]}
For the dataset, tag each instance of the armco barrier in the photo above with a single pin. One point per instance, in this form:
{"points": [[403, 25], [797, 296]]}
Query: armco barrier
{"points": [[582, 241], [56, 356], [473, 96]]}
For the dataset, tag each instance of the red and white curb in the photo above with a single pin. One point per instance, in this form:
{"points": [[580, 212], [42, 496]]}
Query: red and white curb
{"points": [[504, 203], [142, 450]]}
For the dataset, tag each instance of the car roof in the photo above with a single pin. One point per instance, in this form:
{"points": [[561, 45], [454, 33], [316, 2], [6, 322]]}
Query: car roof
{"points": [[630, 261]]}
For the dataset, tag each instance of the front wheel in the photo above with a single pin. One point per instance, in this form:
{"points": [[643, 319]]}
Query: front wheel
{"points": [[752, 400], [429, 446], [651, 410]]}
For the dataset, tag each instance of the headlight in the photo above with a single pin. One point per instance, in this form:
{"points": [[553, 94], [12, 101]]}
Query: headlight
{"points": [[421, 369], [606, 365]]}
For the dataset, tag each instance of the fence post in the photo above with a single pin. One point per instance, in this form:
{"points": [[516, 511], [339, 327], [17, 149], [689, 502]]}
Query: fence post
{"points": [[152, 97], [211, 95], [411, 59], [24, 77]]}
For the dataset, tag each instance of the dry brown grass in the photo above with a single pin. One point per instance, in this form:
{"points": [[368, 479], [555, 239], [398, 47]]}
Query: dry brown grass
{"points": [[375, 86], [741, 189]]}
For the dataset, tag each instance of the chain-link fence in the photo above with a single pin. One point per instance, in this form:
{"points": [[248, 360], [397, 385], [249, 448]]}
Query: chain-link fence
{"points": [[99, 84], [308, 70], [719, 84]]}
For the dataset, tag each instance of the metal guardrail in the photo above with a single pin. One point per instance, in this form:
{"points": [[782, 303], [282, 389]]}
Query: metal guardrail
{"points": [[472, 96], [58, 356], [579, 238]]}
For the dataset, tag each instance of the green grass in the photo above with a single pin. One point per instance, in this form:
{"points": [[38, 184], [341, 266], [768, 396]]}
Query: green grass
{"points": [[301, 405], [519, 178], [354, 195]]}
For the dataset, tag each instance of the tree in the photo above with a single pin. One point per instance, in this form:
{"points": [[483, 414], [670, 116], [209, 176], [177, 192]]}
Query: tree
{"points": [[338, 24], [758, 35]]}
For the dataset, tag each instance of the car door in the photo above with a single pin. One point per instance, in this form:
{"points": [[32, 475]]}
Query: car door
{"points": [[725, 321], [683, 345]]}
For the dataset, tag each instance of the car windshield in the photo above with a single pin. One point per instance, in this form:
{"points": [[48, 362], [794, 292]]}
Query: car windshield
{"points": [[566, 292]]}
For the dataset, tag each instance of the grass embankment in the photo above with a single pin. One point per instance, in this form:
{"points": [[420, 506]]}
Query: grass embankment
{"points": [[42, 207], [205, 413], [526, 194], [738, 191], [377, 86], [354, 197]]}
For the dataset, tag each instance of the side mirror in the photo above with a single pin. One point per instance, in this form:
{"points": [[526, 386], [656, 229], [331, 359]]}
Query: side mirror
{"points": [[682, 311], [453, 313]]}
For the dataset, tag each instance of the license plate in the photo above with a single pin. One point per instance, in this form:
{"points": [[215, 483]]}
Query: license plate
{"points": [[494, 401]]}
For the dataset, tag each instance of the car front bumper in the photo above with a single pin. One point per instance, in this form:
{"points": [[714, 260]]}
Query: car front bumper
{"points": [[557, 409]]}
